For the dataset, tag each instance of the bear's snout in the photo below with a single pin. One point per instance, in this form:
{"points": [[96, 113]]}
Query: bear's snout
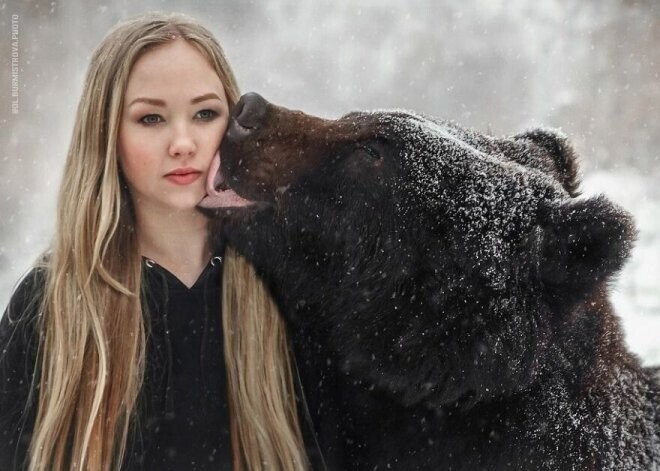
{"points": [[247, 116], [268, 148]]}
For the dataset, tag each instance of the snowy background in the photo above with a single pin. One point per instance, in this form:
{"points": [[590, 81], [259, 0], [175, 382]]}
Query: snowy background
{"points": [[589, 67]]}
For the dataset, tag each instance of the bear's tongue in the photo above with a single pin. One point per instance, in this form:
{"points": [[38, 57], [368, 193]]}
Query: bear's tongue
{"points": [[214, 177], [223, 198]]}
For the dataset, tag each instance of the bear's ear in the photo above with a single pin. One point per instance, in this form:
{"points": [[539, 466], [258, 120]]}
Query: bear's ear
{"points": [[584, 242], [555, 145]]}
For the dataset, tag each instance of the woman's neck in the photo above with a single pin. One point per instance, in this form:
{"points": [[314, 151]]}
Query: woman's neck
{"points": [[176, 240]]}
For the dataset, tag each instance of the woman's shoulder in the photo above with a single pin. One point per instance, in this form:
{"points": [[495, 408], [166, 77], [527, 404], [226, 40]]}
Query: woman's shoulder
{"points": [[17, 325], [18, 352], [27, 296]]}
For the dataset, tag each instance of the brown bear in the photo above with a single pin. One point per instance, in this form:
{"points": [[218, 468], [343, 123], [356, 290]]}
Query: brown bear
{"points": [[446, 292]]}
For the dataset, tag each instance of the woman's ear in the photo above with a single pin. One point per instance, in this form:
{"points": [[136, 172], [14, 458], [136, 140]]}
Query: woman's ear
{"points": [[585, 241]]}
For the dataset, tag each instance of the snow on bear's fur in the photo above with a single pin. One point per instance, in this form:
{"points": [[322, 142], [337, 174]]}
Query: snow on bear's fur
{"points": [[445, 291]]}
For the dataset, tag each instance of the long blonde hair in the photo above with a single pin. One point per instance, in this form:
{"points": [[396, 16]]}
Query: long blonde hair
{"points": [[92, 329]]}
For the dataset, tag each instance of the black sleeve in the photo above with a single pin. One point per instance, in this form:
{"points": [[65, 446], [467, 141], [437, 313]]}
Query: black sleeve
{"points": [[18, 353]]}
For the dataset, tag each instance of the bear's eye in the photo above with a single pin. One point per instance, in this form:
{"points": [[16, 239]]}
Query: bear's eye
{"points": [[370, 152]]}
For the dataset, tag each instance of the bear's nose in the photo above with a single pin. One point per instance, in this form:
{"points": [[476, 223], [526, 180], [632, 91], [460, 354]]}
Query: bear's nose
{"points": [[249, 111]]}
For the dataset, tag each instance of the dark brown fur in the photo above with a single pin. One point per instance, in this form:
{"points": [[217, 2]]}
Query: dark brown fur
{"points": [[445, 292]]}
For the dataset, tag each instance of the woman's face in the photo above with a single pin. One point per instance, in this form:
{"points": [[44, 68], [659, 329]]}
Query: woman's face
{"points": [[175, 114]]}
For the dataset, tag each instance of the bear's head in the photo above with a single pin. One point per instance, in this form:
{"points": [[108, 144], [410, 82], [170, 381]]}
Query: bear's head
{"points": [[393, 236]]}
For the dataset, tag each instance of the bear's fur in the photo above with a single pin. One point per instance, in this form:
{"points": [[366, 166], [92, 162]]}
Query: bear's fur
{"points": [[445, 291]]}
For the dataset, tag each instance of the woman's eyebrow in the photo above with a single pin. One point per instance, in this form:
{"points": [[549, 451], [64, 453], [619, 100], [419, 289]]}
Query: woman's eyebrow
{"points": [[204, 97], [157, 102]]}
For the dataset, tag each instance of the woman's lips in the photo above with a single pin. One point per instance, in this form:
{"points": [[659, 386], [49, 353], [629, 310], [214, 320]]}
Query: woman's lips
{"points": [[183, 178]]}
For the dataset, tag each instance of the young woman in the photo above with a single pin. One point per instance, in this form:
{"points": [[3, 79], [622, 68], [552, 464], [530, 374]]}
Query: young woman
{"points": [[111, 349]]}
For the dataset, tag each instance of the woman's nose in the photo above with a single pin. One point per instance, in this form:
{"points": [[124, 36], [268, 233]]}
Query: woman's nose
{"points": [[183, 144]]}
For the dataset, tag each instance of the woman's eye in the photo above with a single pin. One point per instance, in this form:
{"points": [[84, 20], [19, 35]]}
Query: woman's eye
{"points": [[207, 114], [151, 119]]}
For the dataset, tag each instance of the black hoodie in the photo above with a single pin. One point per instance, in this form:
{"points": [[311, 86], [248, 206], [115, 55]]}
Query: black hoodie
{"points": [[182, 420]]}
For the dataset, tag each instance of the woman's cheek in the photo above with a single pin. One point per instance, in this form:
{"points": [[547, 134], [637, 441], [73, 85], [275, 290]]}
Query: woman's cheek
{"points": [[137, 165]]}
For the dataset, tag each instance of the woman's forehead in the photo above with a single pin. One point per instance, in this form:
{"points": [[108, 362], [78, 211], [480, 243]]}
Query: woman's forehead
{"points": [[172, 68]]}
